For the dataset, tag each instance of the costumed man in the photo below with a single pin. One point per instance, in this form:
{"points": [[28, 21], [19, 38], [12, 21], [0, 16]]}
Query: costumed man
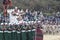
{"points": [[6, 4], [16, 11], [39, 33]]}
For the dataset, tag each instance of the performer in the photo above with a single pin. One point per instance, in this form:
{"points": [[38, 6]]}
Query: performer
{"points": [[38, 34], [6, 3]]}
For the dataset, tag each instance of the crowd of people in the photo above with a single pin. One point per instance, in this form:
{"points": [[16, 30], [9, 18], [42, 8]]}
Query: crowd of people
{"points": [[30, 20], [28, 15]]}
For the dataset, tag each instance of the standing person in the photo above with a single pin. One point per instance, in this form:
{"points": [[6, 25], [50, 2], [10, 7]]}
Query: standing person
{"points": [[6, 3], [38, 34]]}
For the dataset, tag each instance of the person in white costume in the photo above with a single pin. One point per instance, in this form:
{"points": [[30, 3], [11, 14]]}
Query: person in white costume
{"points": [[16, 11]]}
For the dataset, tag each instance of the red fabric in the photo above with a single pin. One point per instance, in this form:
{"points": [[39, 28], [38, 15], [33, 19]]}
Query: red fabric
{"points": [[10, 3], [5, 13], [39, 34], [39, 38], [7, 2], [5, 6]]}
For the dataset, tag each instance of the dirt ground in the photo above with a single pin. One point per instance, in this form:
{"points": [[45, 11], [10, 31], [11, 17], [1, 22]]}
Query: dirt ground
{"points": [[51, 37]]}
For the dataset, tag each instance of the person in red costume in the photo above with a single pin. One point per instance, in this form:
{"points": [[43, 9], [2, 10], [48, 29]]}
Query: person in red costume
{"points": [[6, 4], [38, 33]]}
